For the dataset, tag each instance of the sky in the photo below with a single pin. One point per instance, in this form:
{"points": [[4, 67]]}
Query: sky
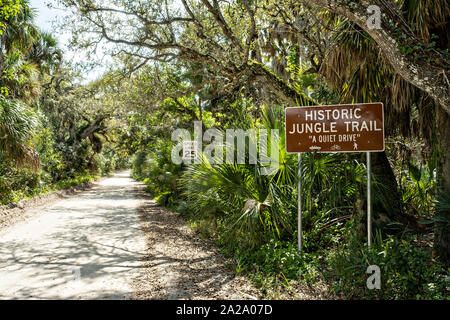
{"points": [[46, 20], [45, 16]]}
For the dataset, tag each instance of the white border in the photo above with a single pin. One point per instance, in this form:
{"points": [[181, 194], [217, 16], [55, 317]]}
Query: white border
{"points": [[334, 105]]}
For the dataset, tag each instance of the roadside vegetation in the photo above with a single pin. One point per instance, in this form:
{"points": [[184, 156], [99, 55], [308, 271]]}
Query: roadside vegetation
{"points": [[253, 219], [52, 131]]}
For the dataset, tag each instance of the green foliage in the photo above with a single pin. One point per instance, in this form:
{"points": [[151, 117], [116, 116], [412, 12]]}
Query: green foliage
{"points": [[407, 271], [77, 180], [8, 9], [52, 164], [17, 125], [276, 258], [418, 189], [17, 183], [253, 218], [158, 172], [111, 160], [238, 114], [34, 154]]}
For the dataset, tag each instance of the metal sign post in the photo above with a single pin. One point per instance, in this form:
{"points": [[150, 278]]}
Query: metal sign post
{"points": [[299, 202], [337, 128], [369, 201]]}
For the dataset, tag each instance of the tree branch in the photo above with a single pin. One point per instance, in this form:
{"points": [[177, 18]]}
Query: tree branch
{"points": [[430, 76]]}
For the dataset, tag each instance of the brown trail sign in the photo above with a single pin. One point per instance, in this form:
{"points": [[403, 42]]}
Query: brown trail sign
{"points": [[336, 128]]}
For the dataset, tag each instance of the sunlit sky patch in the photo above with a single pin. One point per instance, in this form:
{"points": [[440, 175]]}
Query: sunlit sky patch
{"points": [[46, 19]]}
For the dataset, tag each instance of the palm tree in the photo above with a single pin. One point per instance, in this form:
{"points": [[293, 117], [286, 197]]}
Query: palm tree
{"points": [[45, 52], [18, 74], [22, 77], [20, 32], [17, 125]]}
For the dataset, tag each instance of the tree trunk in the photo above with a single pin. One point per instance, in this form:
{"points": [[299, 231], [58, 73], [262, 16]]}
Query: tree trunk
{"points": [[200, 110], [387, 204], [385, 183], [441, 226], [387, 200]]}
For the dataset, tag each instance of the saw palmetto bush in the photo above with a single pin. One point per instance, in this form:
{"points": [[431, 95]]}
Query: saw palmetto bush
{"points": [[247, 205], [251, 208]]}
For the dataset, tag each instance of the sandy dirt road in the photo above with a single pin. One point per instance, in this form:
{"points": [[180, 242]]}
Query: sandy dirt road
{"points": [[89, 246], [112, 242]]}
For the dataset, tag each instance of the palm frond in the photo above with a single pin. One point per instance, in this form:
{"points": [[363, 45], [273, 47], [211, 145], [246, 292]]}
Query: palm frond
{"points": [[17, 124]]}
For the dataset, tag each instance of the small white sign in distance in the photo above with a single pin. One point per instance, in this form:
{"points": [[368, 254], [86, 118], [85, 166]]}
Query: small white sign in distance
{"points": [[190, 150]]}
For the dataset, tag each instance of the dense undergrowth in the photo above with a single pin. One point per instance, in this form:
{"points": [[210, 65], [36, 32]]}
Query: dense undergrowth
{"points": [[58, 166], [25, 184], [253, 219], [17, 184]]}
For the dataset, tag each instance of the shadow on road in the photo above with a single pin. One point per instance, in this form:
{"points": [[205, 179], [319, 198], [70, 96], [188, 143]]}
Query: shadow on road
{"points": [[84, 244], [180, 265]]}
